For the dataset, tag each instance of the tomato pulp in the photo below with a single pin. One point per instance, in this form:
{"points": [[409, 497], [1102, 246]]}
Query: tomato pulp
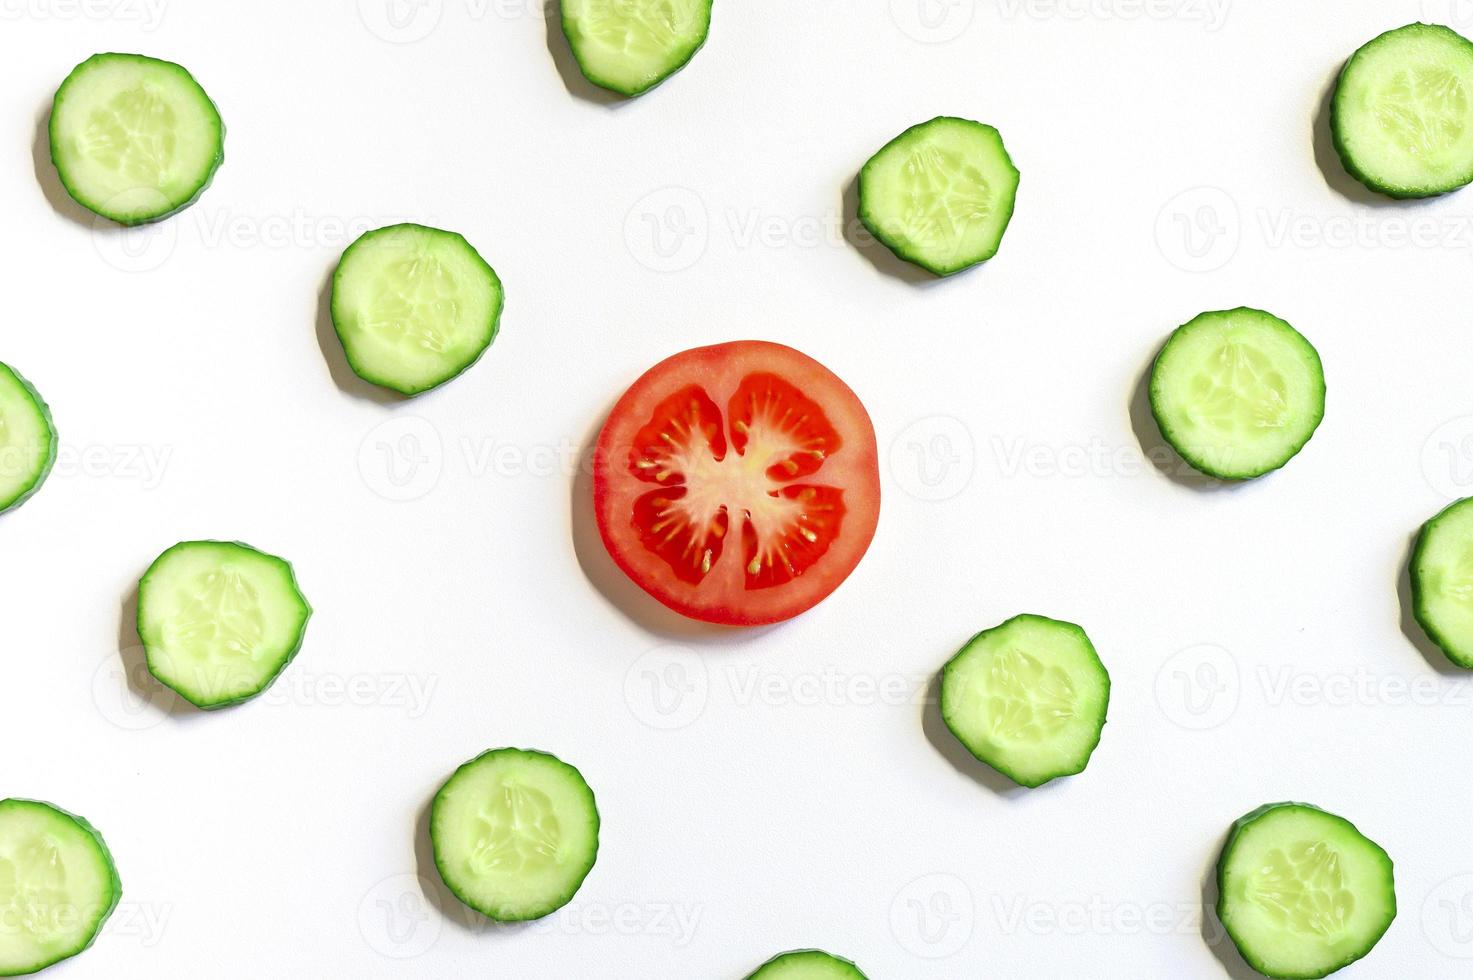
{"points": [[738, 484]]}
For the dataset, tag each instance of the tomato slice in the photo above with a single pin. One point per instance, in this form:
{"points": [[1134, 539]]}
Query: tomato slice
{"points": [[737, 484]]}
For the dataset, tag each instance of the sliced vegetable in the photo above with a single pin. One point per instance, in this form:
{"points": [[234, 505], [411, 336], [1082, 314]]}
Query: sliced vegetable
{"points": [[134, 139], [1301, 892], [630, 46], [414, 306], [737, 484], [220, 620], [1237, 392], [807, 964], [1442, 581], [515, 832], [1028, 698], [58, 886], [27, 440], [1402, 114], [940, 195]]}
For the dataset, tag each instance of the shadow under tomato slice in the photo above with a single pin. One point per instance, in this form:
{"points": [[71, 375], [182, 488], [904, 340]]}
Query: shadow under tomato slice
{"points": [[745, 515]]}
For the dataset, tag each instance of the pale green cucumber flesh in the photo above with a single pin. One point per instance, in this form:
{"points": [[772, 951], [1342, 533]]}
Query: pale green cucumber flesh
{"points": [[940, 195], [1301, 892], [1237, 393], [414, 306], [515, 832], [58, 885], [27, 439], [1442, 581], [630, 46], [1028, 698], [1402, 112], [134, 139], [807, 964], [220, 620]]}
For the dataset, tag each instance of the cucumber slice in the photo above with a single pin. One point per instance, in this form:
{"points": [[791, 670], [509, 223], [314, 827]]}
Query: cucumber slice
{"points": [[1402, 113], [515, 832], [1301, 892], [940, 194], [219, 620], [1237, 392], [414, 306], [58, 885], [630, 46], [1442, 581], [1028, 698], [134, 139], [807, 964], [27, 440]]}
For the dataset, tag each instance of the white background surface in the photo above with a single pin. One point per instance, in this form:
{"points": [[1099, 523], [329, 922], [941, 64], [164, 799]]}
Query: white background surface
{"points": [[197, 396]]}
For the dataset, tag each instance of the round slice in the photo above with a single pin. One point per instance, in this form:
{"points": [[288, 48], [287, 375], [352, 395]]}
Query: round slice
{"points": [[515, 832], [1402, 114], [630, 46], [940, 194], [1237, 392], [58, 886], [1442, 581], [1028, 698], [807, 964], [1301, 892], [134, 139], [27, 440], [414, 306], [220, 620], [738, 484]]}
